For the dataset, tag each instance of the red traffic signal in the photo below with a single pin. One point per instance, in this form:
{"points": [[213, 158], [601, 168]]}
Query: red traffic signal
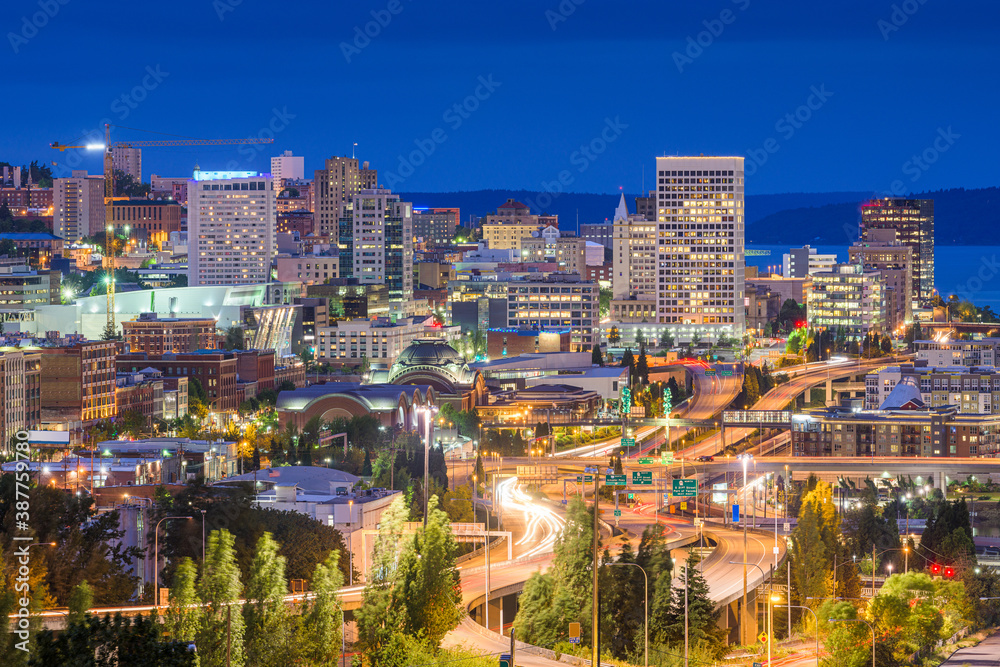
{"points": [[935, 569], [949, 572]]}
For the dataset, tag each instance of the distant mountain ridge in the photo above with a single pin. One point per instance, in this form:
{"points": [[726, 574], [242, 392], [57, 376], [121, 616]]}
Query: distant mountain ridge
{"points": [[962, 217]]}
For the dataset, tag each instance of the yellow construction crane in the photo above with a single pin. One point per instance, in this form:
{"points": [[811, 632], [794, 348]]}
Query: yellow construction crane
{"points": [[109, 194]]}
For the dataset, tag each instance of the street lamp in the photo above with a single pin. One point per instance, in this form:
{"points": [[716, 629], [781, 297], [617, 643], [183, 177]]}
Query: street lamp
{"points": [[858, 620], [156, 557], [742, 626], [645, 605], [777, 598], [350, 543]]}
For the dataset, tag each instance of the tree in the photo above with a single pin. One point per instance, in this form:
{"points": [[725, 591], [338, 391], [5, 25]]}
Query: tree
{"points": [[604, 297], [319, 638], [629, 360], [666, 339], [809, 554], [703, 617], [791, 315], [614, 336], [183, 615], [133, 422], [596, 357], [219, 590], [126, 185], [379, 620], [267, 636], [110, 332], [111, 641], [234, 338], [81, 600], [642, 365]]}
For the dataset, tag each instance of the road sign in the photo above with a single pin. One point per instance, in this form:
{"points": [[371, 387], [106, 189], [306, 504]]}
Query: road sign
{"points": [[666, 458], [574, 633], [726, 373], [762, 638], [736, 513], [685, 487], [758, 664], [666, 496], [631, 496], [618, 512], [698, 521], [788, 527], [684, 505], [615, 480], [628, 442], [564, 502], [645, 461], [588, 478], [506, 660], [643, 477], [710, 373]]}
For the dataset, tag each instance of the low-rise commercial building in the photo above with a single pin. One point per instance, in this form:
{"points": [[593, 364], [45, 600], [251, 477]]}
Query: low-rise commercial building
{"points": [[140, 393], [379, 340], [215, 370], [158, 335], [514, 342], [850, 299]]}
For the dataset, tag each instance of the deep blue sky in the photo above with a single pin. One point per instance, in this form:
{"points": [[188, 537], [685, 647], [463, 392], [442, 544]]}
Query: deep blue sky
{"points": [[557, 87]]}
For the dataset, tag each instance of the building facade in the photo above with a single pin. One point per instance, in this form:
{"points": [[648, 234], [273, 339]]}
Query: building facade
{"points": [[849, 298], [700, 220], [156, 335], [436, 226], [231, 230], [556, 302], [150, 220], [128, 160], [382, 242], [20, 386], [972, 390], [894, 261], [286, 166], [944, 353], [512, 222], [78, 206], [78, 382], [335, 186], [215, 370], [913, 222], [377, 340], [600, 233], [24, 288], [307, 269], [804, 261], [634, 247]]}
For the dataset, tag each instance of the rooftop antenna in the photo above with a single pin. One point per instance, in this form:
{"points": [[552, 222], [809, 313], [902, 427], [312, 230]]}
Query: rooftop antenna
{"points": [[642, 192], [353, 148]]}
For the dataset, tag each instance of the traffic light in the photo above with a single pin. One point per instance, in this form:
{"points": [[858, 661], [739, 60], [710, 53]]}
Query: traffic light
{"points": [[949, 573], [935, 569]]}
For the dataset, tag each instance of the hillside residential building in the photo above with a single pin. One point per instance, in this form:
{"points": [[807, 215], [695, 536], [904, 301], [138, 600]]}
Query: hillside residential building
{"points": [[231, 230], [700, 220], [913, 222]]}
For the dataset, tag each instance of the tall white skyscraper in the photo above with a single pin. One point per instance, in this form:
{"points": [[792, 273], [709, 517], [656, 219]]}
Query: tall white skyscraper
{"points": [[231, 228], [700, 220], [287, 165], [78, 206]]}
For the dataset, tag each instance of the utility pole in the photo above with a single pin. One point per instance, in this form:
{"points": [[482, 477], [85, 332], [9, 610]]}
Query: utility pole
{"points": [[687, 566], [595, 612]]}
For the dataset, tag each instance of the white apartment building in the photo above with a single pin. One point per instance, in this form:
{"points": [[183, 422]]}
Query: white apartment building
{"points": [[78, 206], [805, 261], [634, 245], [382, 238], [700, 220], [945, 353], [287, 165], [128, 160], [231, 229], [379, 340]]}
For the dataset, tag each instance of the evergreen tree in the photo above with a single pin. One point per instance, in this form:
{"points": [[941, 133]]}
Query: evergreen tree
{"points": [[642, 365], [666, 339], [219, 590], [183, 615], [80, 601], [629, 360], [267, 626], [379, 620], [319, 637], [703, 618], [809, 555], [596, 357], [366, 469], [621, 598]]}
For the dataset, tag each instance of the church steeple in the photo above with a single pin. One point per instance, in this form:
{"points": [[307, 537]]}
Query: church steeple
{"points": [[621, 213]]}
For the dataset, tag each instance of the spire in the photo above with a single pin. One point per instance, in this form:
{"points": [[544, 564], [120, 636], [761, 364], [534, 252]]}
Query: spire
{"points": [[621, 213]]}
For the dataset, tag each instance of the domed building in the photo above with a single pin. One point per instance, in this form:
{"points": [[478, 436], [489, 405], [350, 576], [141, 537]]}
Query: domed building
{"points": [[432, 362]]}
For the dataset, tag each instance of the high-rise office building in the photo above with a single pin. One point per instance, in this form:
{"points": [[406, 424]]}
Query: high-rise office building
{"points": [[78, 206], [436, 226], [285, 166], [913, 220], [335, 187], [231, 228], [883, 253], [381, 242], [128, 161], [700, 221]]}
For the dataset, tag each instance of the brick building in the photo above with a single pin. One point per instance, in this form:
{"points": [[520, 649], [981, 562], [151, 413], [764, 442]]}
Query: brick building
{"points": [[78, 382], [156, 335], [215, 370]]}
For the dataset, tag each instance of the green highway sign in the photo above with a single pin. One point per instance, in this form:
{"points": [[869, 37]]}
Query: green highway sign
{"points": [[628, 442], [581, 478], [642, 477], [618, 512], [685, 487], [614, 480], [645, 461], [726, 373], [666, 458], [710, 372]]}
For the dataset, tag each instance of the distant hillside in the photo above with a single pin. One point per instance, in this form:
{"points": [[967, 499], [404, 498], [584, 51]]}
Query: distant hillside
{"points": [[598, 207], [961, 217]]}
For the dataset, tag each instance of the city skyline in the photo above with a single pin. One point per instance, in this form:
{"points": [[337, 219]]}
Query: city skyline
{"points": [[565, 85]]}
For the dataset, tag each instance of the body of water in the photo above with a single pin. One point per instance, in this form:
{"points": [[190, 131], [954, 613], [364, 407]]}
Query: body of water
{"points": [[972, 272]]}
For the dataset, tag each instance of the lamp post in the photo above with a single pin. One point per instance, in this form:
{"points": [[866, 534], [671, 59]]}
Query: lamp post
{"points": [[645, 623], [762, 577], [743, 621], [350, 543], [776, 598], [858, 620], [156, 557], [202, 536]]}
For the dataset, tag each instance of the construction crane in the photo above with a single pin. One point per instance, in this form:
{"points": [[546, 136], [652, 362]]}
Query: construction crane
{"points": [[109, 194]]}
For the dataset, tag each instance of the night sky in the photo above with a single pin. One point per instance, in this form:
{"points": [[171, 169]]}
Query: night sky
{"points": [[596, 88]]}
